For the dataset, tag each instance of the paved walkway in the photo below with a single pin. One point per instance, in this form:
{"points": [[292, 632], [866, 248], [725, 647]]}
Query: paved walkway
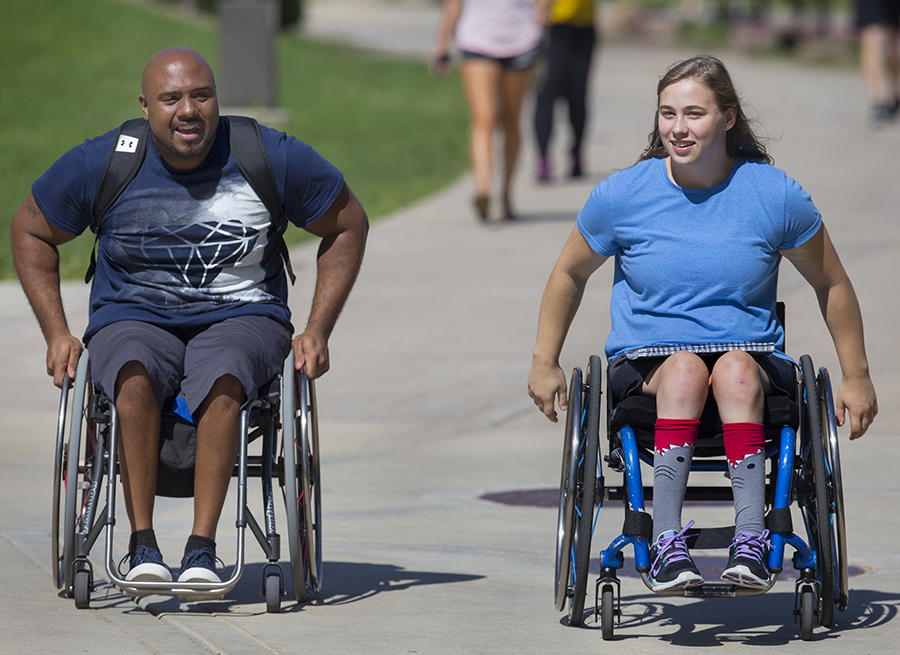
{"points": [[425, 411]]}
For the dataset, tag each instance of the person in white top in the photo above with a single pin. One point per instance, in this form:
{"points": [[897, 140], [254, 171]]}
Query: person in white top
{"points": [[499, 42]]}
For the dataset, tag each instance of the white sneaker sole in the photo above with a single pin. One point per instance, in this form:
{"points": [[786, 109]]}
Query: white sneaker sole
{"points": [[741, 576], [147, 572], [683, 581], [199, 574]]}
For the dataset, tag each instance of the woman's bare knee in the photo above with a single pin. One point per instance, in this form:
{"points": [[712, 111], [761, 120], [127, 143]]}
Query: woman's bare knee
{"points": [[739, 386], [681, 386]]}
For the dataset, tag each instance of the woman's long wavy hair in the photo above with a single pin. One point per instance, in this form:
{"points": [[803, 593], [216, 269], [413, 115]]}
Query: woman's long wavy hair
{"points": [[740, 140]]}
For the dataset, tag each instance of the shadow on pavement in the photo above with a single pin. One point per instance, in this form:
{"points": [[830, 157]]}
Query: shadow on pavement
{"points": [[344, 582], [348, 582], [759, 621]]}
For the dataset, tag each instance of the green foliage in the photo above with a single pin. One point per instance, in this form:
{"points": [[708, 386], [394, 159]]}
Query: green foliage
{"points": [[290, 11], [705, 35], [379, 122], [73, 71]]}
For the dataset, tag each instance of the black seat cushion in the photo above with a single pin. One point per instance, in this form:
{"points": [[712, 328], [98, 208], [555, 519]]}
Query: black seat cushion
{"points": [[639, 413]]}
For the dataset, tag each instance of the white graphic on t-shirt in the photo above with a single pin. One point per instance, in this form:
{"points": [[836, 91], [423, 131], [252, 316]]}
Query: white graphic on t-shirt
{"points": [[197, 252]]}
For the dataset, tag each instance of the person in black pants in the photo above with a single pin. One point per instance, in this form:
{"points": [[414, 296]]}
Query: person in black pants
{"points": [[568, 63]]}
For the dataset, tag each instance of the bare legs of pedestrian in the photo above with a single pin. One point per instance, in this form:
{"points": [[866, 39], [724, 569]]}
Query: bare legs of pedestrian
{"points": [[879, 58], [493, 93]]}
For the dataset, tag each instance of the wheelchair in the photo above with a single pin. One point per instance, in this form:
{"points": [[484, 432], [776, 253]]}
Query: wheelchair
{"points": [[803, 466], [283, 418]]}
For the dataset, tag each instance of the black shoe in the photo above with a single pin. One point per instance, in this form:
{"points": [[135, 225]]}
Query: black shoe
{"points": [[672, 566], [481, 206], [747, 565], [883, 115], [576, 165]]}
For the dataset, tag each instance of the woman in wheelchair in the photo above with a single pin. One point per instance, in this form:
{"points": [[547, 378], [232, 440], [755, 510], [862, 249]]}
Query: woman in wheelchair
{"points": [[697, 229]]}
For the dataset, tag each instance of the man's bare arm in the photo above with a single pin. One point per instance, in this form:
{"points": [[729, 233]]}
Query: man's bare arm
{"points": [[343, 229], [34, 240]]}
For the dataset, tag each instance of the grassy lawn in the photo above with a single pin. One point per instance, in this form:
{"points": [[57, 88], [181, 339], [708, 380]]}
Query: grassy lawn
{"points": [[71, 71]]}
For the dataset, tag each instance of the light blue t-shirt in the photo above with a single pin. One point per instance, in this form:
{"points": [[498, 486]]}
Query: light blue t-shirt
{"points": [[185, 248], [696, 266]]}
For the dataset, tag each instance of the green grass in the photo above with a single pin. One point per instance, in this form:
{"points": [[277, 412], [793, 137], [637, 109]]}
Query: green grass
{"points": [[71, 71]]}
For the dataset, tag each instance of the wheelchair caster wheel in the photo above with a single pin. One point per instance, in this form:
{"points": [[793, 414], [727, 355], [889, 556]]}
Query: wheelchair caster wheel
{"points": [[607, 612], [82, 588], [273, 593], [807, 610]]}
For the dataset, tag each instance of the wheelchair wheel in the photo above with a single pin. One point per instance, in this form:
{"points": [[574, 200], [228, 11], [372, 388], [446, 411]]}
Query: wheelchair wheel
{"points": [[59, 467], [565, 529], [273, 593], [302, 482], [819, 506], [807, 605], [577, 492], [607, 612], [82, 588], [833, 462], [76, 467]]}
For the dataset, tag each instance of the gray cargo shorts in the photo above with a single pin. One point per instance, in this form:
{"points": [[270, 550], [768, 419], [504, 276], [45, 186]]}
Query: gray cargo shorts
{"points": [[188, 361]]}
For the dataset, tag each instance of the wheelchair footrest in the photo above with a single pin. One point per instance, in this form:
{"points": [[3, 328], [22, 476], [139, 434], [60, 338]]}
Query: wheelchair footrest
{"points": [[711, 590]]}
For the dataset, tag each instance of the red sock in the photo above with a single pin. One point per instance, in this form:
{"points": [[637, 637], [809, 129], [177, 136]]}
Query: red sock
{"points": [[675, 432], [741, 440]]}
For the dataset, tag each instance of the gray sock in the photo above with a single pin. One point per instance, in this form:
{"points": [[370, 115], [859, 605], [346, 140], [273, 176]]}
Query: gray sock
{"points": [[670, 475], [748, 483]]}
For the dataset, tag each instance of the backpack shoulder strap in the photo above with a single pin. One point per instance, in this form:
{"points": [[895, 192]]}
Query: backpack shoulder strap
{"points": [[250, 154], [123, 164]]}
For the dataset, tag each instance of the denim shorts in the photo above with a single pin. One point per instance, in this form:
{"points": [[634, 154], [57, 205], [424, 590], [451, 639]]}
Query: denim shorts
{"points": [[517, 63], [187, 362]]}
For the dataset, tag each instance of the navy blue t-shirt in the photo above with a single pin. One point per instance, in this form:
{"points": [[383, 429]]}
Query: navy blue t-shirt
{"points": [[181, 249]]}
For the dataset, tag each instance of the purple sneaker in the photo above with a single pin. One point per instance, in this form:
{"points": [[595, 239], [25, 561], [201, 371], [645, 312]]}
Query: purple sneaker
{"points": [[747, 561], [672, 566], [543, 173]]}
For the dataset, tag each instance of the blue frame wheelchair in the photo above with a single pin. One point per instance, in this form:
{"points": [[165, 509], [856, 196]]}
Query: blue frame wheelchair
{"points": [[283, 418], [803, 466]]}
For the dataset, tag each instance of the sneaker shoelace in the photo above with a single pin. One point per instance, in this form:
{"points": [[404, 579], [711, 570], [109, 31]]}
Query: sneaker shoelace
{"points": [[751, 546], [139, 555], [672, 549], [203, 558]]}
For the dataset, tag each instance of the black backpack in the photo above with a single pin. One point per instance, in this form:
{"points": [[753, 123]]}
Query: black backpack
{"points": [[127, 156]]}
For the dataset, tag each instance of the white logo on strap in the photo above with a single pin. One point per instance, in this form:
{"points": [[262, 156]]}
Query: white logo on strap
{"points": [[127, 144]]}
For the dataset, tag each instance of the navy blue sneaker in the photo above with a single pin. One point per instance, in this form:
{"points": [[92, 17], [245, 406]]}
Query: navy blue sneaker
{"points": [[672, 566], [146, 565], [199, 566], [747, 566]]}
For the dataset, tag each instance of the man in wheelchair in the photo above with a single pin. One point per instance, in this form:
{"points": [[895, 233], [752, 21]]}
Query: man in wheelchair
{"points": [[697, 228], [190, 293]]}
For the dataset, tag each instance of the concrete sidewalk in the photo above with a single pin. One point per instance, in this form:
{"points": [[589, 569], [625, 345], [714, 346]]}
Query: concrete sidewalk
{"points": [[425, 411]]}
